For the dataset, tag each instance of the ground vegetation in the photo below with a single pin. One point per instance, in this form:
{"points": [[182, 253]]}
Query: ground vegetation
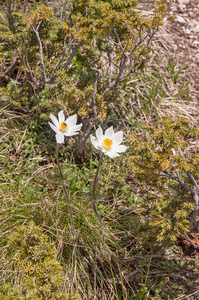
{"points": [[101, 61]]}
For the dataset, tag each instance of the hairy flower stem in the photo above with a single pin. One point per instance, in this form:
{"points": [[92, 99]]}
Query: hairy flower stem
{"points": [[65, 192], [93, 194]]}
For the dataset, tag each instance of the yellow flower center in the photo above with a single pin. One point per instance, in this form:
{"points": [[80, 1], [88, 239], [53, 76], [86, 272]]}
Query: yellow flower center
{"points": [[107, 144], [63, 126]]}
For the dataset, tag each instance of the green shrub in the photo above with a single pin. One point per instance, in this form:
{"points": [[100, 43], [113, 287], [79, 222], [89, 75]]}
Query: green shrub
{"points": [[75, 62], [161, 158], [39, 274]]}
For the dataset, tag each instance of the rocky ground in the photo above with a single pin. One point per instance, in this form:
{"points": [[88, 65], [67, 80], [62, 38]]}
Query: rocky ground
{"points": [[184, 38], [179, 39], [183, 46]]}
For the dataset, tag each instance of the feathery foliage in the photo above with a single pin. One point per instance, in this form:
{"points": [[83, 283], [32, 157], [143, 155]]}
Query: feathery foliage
{"points": [[37, 273], [161, 158], [78, 60]]}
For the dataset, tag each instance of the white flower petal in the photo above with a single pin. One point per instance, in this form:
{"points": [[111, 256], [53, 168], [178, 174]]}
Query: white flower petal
{"points": [[117, 138], [59, 137], [119, 148], [54, 119], [53, 127], [71, 133], [112, 154], [95, 142], [109, 132], [75, 128], [71, 121], [61, 117], [99, 135]]}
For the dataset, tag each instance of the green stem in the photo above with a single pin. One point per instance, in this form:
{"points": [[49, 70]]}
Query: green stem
{"points": [[65, 192], [93, 194]]}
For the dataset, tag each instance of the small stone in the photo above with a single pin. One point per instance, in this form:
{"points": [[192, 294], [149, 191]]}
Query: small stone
{"points": [[183, 2], [196, 43], [165, 20], [187, 31], [180, 19], [182, 8], [197, 28], [194, 22]]}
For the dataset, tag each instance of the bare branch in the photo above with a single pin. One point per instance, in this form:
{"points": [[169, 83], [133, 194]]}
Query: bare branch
{"points": [[4, 44], [94, 118], [117, 79], [74, 51], [139, 33], [190, 176], [27, 63], [95, 90], [65, 51], [153, 33], [165, 174], [176, 178], [12, 66], [6, 78], [180, 152], [119, 43], [131, 33], [7, 23], [182, 183], [191, 242], [194, 191], [196, 199], [10, 16], [40, 50], [140, 42], [110, 62], [192, 179], [129, 70], [194, 214], [24, 9]]}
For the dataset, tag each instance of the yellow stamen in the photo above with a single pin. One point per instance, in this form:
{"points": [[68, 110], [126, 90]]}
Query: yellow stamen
{"points": [[107, 144], [63, 126]]}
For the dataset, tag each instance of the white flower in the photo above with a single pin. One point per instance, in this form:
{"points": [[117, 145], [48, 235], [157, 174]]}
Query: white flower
{"points": [[109, 143], [64, 127]]}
